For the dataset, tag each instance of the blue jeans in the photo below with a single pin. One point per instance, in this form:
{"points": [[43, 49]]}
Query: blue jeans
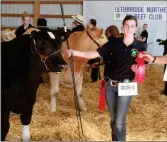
{"points": [[118, 107]]}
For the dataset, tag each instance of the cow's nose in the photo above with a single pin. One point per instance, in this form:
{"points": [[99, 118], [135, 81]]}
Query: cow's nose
{"points": [[63, 67]]}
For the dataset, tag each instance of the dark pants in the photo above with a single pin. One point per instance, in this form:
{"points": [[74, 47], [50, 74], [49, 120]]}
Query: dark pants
{"points": [[145, 46], [118, 108], [94, 74]]}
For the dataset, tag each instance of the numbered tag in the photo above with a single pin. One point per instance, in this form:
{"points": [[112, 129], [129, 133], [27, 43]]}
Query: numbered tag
{"points": [[127, 89]]}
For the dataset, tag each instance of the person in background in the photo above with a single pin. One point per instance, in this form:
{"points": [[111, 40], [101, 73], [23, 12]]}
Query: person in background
{"points": [[92, 23], [118, 58], [26, 24], [42, 24], [144, 36], [158, 60], [77, 24], [112, 31]]}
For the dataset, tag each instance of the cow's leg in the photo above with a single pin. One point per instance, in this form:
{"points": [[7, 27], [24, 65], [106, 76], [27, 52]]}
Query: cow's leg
{"points": [[4, 124], [26, 116], [54, 89], [4, 118], [27, 106], [26, 133], [82, 104], [26, 119]]}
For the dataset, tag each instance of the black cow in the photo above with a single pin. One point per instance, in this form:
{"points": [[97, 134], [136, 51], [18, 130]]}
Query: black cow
{"points": [[164, 42], [24, 59]]}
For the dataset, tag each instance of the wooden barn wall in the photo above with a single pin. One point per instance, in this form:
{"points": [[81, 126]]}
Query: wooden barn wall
{"points": [[11, 12], [14, 9], [54, 9]]}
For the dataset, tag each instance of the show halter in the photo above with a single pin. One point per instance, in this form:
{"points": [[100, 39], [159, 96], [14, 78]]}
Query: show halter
{"points": [[43, 57]]}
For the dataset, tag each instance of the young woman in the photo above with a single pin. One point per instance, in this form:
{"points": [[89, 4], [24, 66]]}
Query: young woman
{"points": [[118, 55], [26, 24], [92, 23]]}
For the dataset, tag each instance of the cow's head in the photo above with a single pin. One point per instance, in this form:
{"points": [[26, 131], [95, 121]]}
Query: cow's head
{"points": [[162, 42], [98, 35], [88, 40], [48, 47]]}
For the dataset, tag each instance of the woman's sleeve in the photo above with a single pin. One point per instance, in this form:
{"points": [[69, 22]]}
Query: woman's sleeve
{"points": [[103, 50]]}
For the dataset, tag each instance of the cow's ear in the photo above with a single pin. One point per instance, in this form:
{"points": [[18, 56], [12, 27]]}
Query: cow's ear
{"points": [[51, 35], [33, 33], [101, 32], [14, 30]]}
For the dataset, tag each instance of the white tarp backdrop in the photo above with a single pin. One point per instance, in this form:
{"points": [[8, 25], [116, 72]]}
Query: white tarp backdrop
{"points": [[154, 13]]}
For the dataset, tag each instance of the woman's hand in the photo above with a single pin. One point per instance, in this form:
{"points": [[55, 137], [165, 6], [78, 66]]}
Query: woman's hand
{"points": [[148, 57], [70, 52], [134, 67]]}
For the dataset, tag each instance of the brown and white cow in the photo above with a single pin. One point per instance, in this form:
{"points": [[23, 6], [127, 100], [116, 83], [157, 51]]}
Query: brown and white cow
{"points": [[82, 42]]}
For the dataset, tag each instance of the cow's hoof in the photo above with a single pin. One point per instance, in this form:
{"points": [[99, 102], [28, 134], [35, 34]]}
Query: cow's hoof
{"points": [[26, 133], [53, 106], [25, 140], [53, 110]]}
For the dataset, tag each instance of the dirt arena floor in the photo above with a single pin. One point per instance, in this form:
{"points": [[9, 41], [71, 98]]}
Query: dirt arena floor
{"points": [[146, 120]]}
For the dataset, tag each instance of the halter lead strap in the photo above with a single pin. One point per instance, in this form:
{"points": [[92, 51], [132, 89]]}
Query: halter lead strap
{"points": [[93, 39], [44, 57]]}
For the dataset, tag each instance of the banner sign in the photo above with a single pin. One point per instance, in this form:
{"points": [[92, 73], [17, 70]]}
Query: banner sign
{"points": [[144, 13]]}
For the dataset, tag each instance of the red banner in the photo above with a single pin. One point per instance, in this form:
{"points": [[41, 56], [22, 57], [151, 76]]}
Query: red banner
{"points": [[102, 101], [140, 72]]}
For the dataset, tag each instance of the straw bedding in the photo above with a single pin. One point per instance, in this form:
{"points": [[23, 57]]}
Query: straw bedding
{"points": [[146, 119]]}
